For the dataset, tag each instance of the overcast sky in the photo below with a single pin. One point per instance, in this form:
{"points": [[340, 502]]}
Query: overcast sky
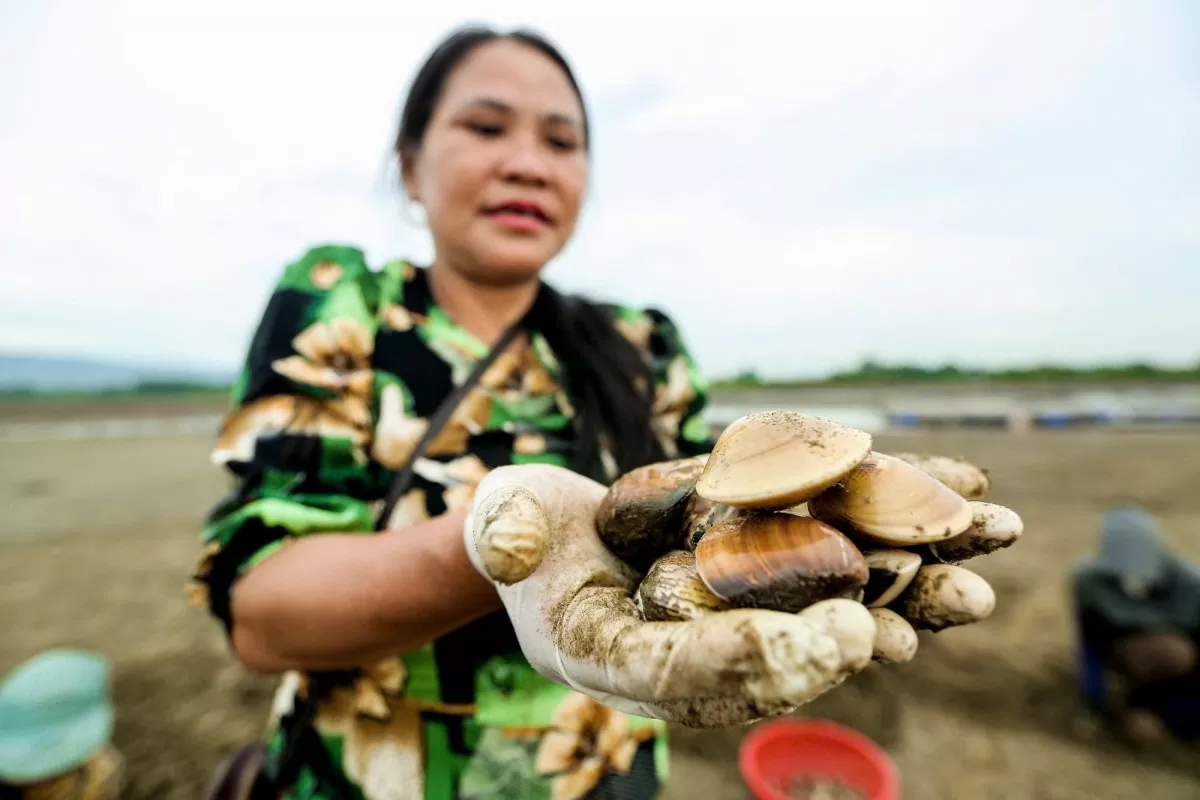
{"points": [[800, 185]]}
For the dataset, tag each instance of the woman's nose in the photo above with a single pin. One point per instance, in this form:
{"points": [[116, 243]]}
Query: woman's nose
{"points": [[526, 161]]}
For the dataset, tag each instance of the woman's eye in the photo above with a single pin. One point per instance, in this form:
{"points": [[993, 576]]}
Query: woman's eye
{"points": [[485, 129], [560, 143]]}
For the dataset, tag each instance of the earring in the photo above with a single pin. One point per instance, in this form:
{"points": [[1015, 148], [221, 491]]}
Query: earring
{"points": [[414, 212]]}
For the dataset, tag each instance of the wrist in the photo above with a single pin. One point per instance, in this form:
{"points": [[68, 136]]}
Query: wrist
{"points": [[420, 562]]}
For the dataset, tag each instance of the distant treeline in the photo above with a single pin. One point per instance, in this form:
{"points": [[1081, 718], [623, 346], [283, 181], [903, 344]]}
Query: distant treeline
{"points": [[143, 389], [873, 372], [868, 373]]}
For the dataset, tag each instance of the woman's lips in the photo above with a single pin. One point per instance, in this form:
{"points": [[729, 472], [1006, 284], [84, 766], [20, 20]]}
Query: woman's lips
{"points": [[520, 216]]}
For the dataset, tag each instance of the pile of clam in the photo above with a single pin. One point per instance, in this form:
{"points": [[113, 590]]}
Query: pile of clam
{"points": [[789, 510]]}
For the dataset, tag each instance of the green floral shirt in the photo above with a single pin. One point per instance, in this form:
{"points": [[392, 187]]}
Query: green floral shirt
{"points": [[345, 368]]}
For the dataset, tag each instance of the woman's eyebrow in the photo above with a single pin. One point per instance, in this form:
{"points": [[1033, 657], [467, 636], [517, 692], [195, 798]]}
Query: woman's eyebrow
{"points": [[493, 104]]}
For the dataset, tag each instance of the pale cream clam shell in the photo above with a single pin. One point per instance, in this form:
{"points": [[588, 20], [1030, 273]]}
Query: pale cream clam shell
{"points": [[891, 571], [891, 501], [778, 459]]}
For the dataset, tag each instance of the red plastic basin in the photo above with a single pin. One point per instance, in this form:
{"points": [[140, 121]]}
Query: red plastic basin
{"points": [[776, 752]]}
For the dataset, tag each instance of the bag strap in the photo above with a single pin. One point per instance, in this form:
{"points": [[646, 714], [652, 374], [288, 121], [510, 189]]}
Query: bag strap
{"points": [[304, 744], [438, 421]]}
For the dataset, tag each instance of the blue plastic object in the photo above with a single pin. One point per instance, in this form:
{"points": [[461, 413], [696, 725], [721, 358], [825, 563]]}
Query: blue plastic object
{"points": [[55, 712]]}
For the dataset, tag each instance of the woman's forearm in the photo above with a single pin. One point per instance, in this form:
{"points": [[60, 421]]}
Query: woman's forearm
{"points": [[339, 600]]}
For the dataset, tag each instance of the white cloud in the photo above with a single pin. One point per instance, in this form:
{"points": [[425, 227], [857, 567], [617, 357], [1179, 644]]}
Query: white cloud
{"points": [[799, 188]]}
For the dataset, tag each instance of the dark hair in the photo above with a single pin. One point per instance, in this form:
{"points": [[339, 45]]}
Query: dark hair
{"points": [[606, 378], [427, 85]]}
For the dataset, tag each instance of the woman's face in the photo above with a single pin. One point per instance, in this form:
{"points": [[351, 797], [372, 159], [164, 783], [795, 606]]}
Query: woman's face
{"points": [[502, 169]]}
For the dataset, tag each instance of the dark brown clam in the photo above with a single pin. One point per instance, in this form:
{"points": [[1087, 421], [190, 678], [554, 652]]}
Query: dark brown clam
{"points": [[643, 513], [778, 561], [772, 460], [701, 515], [891, 501], [891, 572], [673, 591]]}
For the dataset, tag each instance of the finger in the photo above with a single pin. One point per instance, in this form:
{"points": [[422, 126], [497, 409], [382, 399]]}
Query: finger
{"points": [[770, 658], [844, 620], [944, 595], [696, 712], [714, 712], [895, 639], [508, 534], [959, 474], [516, 507], [841, 619], [993, 527]]}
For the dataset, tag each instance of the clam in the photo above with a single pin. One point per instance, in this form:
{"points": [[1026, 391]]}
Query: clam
{"points": [[895, 639], [891, 501], [966, 479], [944, 595], [779, 561], [992, 528], [701, 515], [772, 460], [800, 510], [673, 591], [642, 514], [891, 571]]}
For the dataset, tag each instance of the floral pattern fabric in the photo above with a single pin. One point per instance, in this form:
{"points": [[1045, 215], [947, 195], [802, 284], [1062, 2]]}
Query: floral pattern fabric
{"points": [[343, 372]]}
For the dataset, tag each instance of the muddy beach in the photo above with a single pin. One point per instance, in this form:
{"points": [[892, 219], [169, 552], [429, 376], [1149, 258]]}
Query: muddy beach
{"points": [[98, 535]]}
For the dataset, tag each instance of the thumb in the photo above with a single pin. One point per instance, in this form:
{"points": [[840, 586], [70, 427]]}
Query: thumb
{"points": [[515, 510]]}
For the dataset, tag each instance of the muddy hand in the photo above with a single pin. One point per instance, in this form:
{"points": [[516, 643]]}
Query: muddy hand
{"points": [[532, 533], [933, 590]]}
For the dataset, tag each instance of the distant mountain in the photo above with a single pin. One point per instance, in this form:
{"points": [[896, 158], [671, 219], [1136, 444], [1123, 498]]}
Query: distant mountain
{"points": [[69, 373]]}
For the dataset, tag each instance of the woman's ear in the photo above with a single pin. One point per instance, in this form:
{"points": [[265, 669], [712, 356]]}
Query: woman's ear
{"points": [[408, 175]]}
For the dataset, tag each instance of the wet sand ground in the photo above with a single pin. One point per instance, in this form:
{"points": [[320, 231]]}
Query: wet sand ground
{"points": [[97, 536]]}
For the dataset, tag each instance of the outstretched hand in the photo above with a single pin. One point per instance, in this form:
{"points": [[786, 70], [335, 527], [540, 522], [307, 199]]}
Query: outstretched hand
{"points": [[532, 532]]}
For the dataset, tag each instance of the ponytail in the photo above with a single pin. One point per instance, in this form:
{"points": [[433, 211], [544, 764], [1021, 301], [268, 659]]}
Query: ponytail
{"points": [[607, 380]]}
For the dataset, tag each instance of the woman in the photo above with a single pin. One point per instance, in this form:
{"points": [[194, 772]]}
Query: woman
{"points": [[465, 649], [1138, 612]]}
